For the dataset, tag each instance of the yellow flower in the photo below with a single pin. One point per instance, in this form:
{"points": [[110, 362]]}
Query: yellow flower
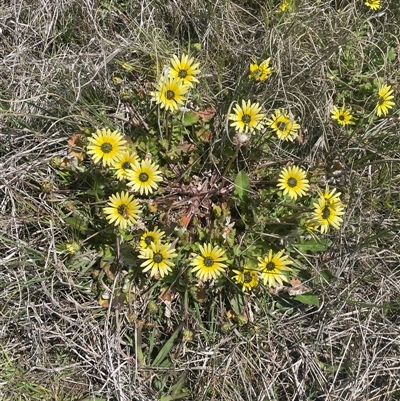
{"points": [[373, 4], [106, 145], [342, 116], [385, 94], [293, 182], [72, 248], [123, 163], [144, 176], [273, 268], [327, 213], [247, 278], [260, 72], [247, 118], [184, 69], [311, 226], [330, 196], [284, 126], [123, 210], [209, 265], [158, 259], [149, 237], [284, 5], [170, 93]]}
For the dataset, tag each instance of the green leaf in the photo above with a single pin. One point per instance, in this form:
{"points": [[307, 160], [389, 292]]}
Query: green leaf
{"points": [[237, 304], [308, 299], [126, 255], [327, 275], [237, 251], [175, 396], [77, 223], [392, 54], [177, 389], [164, 351], [190, 118], [200, 322], [313, 245], [242, 185]]}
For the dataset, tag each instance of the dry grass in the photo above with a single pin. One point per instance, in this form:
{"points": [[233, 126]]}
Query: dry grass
{"points": [[57, 60]]}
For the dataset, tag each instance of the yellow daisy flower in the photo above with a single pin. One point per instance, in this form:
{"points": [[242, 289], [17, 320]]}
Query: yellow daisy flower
{"points": [[342, 116], [330, 196], [158, 259], [170, 93], [144, 176], [311, 226], [327, 213], [72, 248], [260, 72], [123, 163], [373, 4], [385, 94], [247, 117], [284, 126], [149, 237], [209, 264], [293, 182], [273, 268], [247, 278], [184, 69], [285, 5], [106, 146], [123, 210]]}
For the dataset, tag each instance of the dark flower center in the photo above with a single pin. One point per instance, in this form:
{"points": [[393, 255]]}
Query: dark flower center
{"points": [[247, 278], [208, 261], [326, 212], [169, 94], [158, 258], [281, 126], [126, 165], [123, 211], [246, 118], [148, 240], [292, 182], [381, 100], [106, 147], [270, 266], [341, 117], [182, 73], [143, 177]]}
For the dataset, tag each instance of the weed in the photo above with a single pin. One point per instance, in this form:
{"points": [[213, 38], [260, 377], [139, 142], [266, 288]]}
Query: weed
{"points": [[199, 200]]}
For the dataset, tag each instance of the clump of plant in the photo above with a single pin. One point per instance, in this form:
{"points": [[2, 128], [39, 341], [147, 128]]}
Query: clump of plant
{"points": [[153, 214], [197, 212]]}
